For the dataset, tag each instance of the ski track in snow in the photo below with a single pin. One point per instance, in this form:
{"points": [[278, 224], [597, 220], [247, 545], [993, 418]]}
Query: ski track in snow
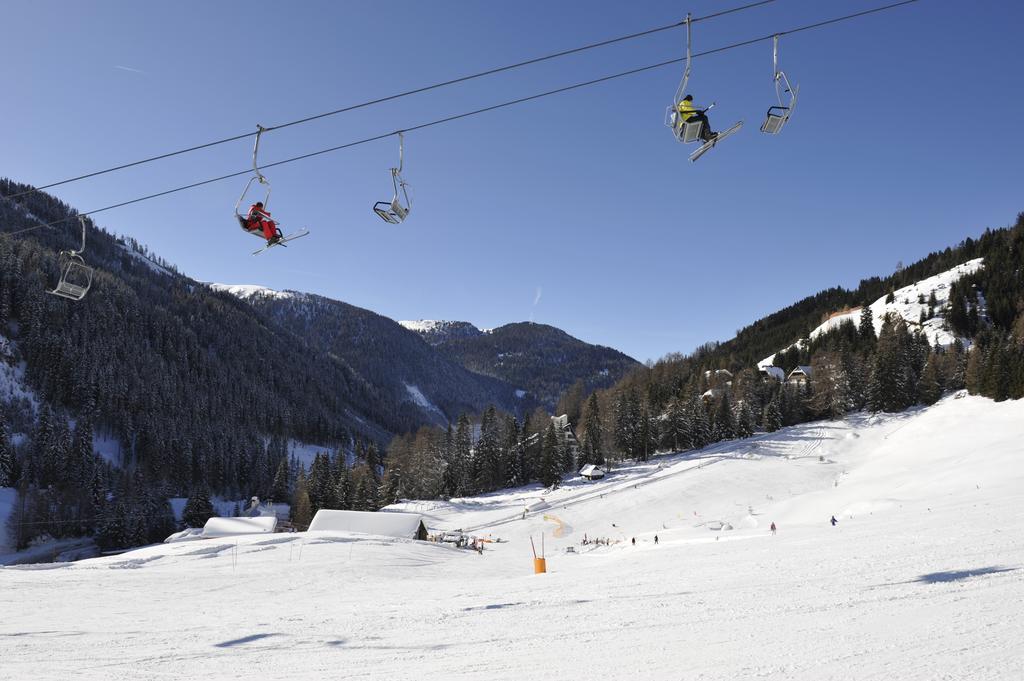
{"points": [[922, 578]]}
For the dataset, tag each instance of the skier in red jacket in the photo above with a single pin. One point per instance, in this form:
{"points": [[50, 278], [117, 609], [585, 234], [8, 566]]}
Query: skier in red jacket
{"points": [[259, 219]]}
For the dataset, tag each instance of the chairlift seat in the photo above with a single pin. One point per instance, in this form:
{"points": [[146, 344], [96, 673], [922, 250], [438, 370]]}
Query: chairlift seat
{"points": [[775, 120], [393, 212], [75, 277], [691, 131]]}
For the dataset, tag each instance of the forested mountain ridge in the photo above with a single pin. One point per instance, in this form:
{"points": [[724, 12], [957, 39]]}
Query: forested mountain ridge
{"points": [[858, 362], [190, 388], [392, 358], [543, 360]]}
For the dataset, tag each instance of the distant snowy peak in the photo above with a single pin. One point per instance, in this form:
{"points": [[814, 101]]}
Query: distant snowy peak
{"points": [[907, 304], [247, 291], [436, 332]]}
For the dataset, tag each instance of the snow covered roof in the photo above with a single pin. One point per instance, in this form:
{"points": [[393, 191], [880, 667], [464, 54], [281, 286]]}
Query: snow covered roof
{"points": [[591, 471], [385, 523], [775, 372], [230, 527]]}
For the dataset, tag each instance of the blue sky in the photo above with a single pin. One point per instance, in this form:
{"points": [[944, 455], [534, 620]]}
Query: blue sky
{"points": [[578, 210]]}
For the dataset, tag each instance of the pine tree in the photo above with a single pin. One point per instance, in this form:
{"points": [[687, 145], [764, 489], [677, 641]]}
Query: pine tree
{"points": [[866, 328], [321, 483], [6, 456], [343, 489], [452, 476], [891, 387], [831, 385], [198, 509], [301, 508], [391, 487], [725, 424], [550, 473], [366, 496], [928, 389], [462, 455], [772, 419], [629, 423], [280, 490], [490, 474], [700, 425], [513, 453], [593, 433], [373, 462], [677, 427], [745, 421], [644, 448]]}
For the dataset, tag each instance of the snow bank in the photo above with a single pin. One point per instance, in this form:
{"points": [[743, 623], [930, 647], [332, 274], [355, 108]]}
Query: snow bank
{"points": [[231, 527], [384, 523]]}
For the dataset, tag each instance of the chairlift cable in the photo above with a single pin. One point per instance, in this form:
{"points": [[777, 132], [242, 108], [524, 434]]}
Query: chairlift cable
{"points": [[407, 93], [467, 114]]}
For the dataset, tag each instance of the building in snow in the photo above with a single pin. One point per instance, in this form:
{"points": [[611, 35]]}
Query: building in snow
{"points": [[591, 472], [800, 375], [383, 523], [566, 434], [226, 527], [775, 373]]}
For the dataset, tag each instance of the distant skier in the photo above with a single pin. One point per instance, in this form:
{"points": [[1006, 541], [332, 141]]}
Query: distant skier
{"points": [[634, 541], [833, 521], [773, 527], [655, 540]]}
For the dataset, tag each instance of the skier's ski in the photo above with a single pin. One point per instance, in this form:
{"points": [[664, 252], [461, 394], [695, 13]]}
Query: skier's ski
{"points": [[704, 148], [283, 241]]}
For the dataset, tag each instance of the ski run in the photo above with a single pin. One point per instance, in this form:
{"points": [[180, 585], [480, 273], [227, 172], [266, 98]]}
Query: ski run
{"points": [[921, 578]]}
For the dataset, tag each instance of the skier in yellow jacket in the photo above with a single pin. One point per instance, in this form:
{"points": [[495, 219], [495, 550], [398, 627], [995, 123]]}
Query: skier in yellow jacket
{"points": [[688, 112]]}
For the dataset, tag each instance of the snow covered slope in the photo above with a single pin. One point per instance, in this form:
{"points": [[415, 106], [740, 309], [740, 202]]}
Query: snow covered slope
{"points": [[921, 579], [906, 303], [245, 291]]}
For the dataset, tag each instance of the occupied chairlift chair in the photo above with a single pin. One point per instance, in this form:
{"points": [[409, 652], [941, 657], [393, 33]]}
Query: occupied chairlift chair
{"points": [[257, 177], [395, 212], [75, 276], [778, 116], [684, 131]]}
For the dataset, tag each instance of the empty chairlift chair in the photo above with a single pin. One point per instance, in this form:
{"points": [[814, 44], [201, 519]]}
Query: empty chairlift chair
{"points": [[396, 211], [779, 114], [75, 277]]}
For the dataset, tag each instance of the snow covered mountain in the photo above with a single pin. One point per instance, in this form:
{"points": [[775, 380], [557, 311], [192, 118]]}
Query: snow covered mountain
{"points": [[428, 386], [542, 360], [437, 332], [922, 305]]}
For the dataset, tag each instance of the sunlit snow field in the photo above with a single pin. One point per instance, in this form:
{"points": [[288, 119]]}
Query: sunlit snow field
{"points": [[923, 577]]}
